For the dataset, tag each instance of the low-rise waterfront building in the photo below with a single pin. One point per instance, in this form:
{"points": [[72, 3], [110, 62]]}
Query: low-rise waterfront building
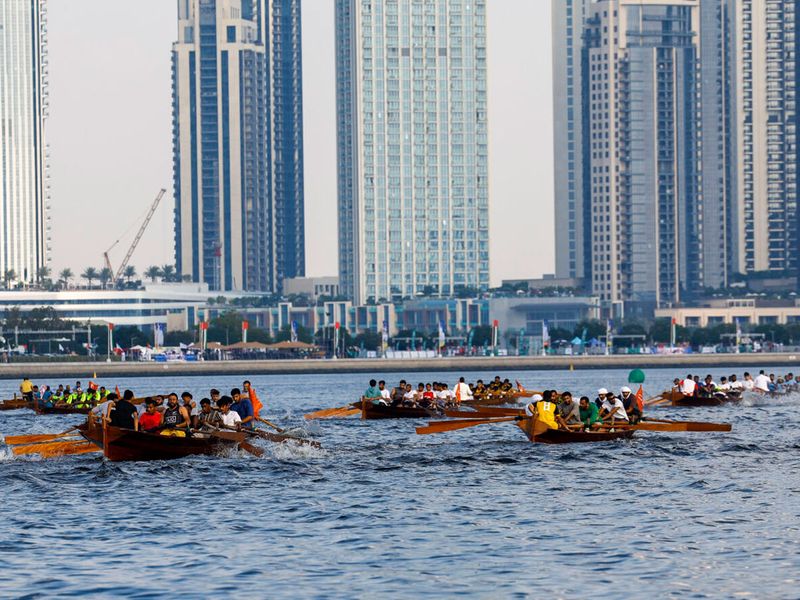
{"points": [[745, 311]]}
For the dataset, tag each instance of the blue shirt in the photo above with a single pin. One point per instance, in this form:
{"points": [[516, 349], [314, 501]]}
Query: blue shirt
{"points": [[245, 409]]}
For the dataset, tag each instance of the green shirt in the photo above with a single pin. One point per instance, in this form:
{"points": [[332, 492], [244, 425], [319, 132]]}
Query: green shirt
{"points": [[590, 415], [372, 392]]}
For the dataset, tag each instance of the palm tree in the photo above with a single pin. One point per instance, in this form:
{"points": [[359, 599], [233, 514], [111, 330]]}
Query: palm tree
{"points": [[90, 274], [105, 276], [152, 273], [65, 276], [129, 273], [167, 272], [9, 276], [43, 273]]}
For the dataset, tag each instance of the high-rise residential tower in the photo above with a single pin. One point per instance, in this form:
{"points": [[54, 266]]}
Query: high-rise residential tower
{"points": [[643, 133], [238, 143], [571, 201], [412, 147], [24, 239], [766, 75]]}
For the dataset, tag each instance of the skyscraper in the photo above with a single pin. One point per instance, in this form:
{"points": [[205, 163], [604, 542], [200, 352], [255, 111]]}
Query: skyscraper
{"points": [[24, 241], [643, 137], [766, 74], [412, 147], [237, 137], [571, 196]]}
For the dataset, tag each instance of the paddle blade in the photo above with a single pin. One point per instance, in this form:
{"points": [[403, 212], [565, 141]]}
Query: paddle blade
{"points": [[251, 449], [443, 426], [14, 440], [330, 412], [484, 412], [76, 448], [52, 448], [683, 426]]}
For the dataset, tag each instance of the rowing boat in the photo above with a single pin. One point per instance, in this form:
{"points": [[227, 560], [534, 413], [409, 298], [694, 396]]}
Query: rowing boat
{"points": [[61, 410], [128, 445], [372, 411], [676, 398], [14, 404], [499, 398], [566, 436]]}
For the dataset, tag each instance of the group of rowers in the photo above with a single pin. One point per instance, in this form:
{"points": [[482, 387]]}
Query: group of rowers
{"points": [[167, 415], [693, 386], [562, 411], [436, 394], [63, 396]]}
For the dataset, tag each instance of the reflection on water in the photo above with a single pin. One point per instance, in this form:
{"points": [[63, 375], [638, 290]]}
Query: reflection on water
{"points": [[382, 511]]}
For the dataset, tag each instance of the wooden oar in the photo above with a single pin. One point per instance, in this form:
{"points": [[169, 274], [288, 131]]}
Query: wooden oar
{"points": [[482, 412], [13, 440], [82, 447], [54, 448], [666, 425], [233, 436], [285, 438], [334, 412], [275, 427], [442, 426]]}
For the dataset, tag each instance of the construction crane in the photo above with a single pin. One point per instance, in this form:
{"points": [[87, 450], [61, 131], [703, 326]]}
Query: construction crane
{"points": [[139, 234]]}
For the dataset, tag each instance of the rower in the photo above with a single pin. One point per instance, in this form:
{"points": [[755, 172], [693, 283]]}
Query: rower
{"points": [[568, 411], [480, 389], [735, 385], [398, 392], [428, 399], [99, 413], [748, 382], [590, 415], [208, 417], [688, 386], [410, 397], [601, 397], [542, 410], [228, 418], [122, 413], [613, 410], [761, 382], [26, 388], [631, 404], [506, 386], [373, 394], [386, 397], [190, 406], [214, 393], [150, 420], [244, 408], [175, 420]]}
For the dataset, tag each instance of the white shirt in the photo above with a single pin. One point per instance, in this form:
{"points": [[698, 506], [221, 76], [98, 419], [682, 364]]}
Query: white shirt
{"points": [[725, 386], [687, 387], [230, 419], [749, 384], [410, 395], [385, 394], [101, 409], [762, 383], [736, 385], [617, 409], [463, 391]]}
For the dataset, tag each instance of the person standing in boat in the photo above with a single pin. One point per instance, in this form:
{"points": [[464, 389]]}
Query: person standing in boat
{"points": [[462, 391], [249, 392], [175, 420], [26, 389]]}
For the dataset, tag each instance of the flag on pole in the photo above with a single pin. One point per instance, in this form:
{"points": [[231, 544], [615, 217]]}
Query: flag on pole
{"points": [[158, 334], [294, 331], [545, 337], [640, 398], [442, 337]]}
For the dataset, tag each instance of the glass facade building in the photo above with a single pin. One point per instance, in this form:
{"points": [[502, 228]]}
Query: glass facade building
{"points": [[238, 143], [24, 228], [766, 76], [412, 147]]}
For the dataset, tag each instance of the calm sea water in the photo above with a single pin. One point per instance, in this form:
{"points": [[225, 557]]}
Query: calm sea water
{"points": [[382, 512]]}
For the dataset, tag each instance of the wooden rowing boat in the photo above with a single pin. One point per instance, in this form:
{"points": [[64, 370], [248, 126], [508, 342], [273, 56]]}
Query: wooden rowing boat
{"points": [[14, 404], [61, 410], [565, 436], [676, 398], [498, 399], [372, 411], [128, 445]]}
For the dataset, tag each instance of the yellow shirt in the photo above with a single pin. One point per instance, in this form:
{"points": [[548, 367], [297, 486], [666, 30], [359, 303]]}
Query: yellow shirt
{"points": [[547, 413], [26, 387]]}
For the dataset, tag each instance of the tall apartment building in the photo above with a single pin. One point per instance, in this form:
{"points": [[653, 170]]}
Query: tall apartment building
{"points": [[573, 261], [641, 100], [24, 237], [238, 143], [766, 76], [412, 147]]}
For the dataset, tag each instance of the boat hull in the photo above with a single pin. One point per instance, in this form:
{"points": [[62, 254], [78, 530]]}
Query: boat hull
{"points": [[15, 404], [371, 411], [562, 436], [61, 410], [679, 400], [127, 445]]}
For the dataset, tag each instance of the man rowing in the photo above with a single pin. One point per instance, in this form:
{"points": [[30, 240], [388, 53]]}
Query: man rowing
{"points": [[631, 404], [613, 410], [542, 410], [568, 411], [176, 420], [589, 413]]}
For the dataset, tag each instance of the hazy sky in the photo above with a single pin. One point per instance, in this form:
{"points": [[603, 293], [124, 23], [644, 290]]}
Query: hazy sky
{"points": [[111, 145]]}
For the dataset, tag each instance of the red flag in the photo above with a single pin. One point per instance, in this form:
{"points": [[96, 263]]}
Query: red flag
{"points": [[119, 394], [640, 398], [257, 406]]}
